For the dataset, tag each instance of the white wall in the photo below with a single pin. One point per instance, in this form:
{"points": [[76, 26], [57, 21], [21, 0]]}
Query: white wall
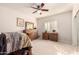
{"points": [[8, 18], [74, 25], [77, 28], [64, 25]]}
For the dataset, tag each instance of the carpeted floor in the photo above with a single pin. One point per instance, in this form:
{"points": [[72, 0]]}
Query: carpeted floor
{"points": [[47, 47]]}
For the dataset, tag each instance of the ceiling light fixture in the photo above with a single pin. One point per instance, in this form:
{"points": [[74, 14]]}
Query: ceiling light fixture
{"points": [[39, 8], [39, 11]]}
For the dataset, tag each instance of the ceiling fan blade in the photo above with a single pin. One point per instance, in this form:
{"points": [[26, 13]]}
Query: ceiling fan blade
{"points": [[35, 11], [44, 9], [34, 8], [42, 4]]}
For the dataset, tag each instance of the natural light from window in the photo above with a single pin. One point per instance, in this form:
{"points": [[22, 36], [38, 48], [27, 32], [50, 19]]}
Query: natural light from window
{"points": [[50, 26]]}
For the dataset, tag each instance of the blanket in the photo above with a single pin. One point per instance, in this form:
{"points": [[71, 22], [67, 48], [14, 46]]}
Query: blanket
{"points": [[16, 41]]}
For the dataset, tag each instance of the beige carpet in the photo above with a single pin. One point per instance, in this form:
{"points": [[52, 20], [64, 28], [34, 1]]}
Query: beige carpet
{"points": [[47, 47]]}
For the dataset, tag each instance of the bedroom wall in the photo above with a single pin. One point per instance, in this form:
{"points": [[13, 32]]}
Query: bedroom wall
{"points": [[64, 26], [8, 18], [77, 29], [74, 25]]}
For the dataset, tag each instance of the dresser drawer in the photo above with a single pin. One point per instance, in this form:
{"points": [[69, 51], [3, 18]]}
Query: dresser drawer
{"points": [[53, 36], [50, 36], [45, 36]]}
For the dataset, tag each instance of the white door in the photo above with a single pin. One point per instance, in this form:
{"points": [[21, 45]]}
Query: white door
{"points": [[77, 28]]}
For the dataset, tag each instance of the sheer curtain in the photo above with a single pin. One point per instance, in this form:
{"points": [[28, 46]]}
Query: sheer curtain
{"points": [[50, 26], [47, 26]]}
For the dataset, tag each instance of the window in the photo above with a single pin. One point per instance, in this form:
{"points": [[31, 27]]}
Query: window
{"points": [[49, 26]]}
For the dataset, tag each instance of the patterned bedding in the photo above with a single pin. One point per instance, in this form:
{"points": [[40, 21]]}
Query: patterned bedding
{"points": [[16, 41]]}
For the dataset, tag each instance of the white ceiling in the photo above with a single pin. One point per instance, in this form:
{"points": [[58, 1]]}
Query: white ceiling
{"points": [[54, 8]]}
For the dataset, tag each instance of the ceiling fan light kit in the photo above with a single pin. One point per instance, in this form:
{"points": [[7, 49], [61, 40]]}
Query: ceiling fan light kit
{"points": [[39, 8]]}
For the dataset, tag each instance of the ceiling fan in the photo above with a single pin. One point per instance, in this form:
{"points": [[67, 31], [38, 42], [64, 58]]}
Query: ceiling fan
{"points": [[39, 8]]}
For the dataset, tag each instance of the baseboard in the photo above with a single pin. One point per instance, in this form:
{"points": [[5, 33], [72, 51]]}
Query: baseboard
{"points": [[65, 41]]}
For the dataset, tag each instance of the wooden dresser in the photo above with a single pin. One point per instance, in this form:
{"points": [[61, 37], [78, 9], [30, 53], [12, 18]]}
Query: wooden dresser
{"points": [[50, 36], [45, 36], [33, 34]]}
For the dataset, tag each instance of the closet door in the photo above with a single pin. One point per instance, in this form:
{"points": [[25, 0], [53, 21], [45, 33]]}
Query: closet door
{"points": [[77, 28], [78, 32]]}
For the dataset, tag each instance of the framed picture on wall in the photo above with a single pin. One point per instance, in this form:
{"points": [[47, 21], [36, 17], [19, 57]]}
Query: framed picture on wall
{"points": [[20, 22], [29, 25]]}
